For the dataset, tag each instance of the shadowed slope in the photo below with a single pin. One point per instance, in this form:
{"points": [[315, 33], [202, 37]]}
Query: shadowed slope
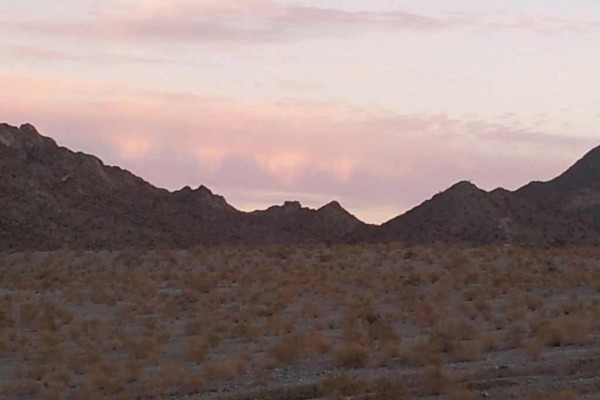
{"points": [[54, 197], [575, 193], [467, 214]]}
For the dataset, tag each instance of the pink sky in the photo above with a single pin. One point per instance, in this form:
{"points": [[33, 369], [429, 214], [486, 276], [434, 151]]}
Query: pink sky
{"points": [[377, 105]]}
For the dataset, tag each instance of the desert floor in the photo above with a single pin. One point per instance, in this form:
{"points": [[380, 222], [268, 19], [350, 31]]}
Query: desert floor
{"points": [[301, 322]]}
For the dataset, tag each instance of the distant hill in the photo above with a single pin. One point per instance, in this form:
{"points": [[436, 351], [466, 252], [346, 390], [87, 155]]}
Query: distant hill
{"points": [[330, 223], [52, 197], [466, 214], [565, 210]]}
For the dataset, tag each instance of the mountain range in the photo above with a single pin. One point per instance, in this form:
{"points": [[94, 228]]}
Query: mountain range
{"points": [[52, 197]]}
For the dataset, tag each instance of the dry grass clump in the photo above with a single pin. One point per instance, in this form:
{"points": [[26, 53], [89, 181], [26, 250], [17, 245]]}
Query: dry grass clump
{"points": [[532, 347], [351, 355], [367, 336], [289, 349], [225, 370], [450, 341], [195, 349], [434, 381], [562, 331], [318, 342]]}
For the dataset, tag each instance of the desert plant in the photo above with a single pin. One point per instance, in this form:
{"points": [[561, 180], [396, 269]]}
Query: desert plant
{"points": [[195, 349], [351, 355], [289, 349]]}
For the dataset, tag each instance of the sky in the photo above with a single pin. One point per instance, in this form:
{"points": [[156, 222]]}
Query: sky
{"points": [[378, 104]]}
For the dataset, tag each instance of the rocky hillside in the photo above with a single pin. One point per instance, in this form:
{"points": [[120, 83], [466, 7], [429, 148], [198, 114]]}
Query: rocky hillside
{"points": [[466, 214], [52, 197], [575, 193], [565, 210], [330, 223]]}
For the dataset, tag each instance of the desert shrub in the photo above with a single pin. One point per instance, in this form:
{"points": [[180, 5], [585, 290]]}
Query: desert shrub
{"points": [[353, 332], [532, 347], [383, 333], [289, 349], [425, 314], [562, 331], [143, 347], [351, 355], [490, 341], [101, 383], [195, 349], [514, 335], [391, 388], [341, 384], [245, 329], [317, 341], [466, 350], [436, 381]]}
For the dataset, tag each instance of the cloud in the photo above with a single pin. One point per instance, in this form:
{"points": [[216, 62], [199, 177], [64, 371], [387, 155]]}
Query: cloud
{"points": [[323, 150], [539, 25], [44, 54], [263, 21], [237, 26]]}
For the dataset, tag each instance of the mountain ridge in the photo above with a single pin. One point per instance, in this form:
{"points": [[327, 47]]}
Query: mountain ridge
{"points": [[54, 197]]}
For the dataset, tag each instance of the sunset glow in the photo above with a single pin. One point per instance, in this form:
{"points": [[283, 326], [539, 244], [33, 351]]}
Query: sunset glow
{"points": [[376, 104]]}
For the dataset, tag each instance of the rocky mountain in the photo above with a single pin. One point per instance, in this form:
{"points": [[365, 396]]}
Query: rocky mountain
{"points": [[565, 210], [575, 193], [52, 197], [330, 223], [467, 214]]}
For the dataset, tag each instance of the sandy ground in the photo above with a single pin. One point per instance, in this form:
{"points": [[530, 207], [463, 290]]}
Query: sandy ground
{"points": [[282, 322]]}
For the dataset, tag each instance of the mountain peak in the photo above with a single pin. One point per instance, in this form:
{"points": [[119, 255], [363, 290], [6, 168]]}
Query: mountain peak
{"points": [[28, 128], [333, 207], [23, 138], [201, 196], [464, 186], [201, 190], [333, 204], [291, 205]]}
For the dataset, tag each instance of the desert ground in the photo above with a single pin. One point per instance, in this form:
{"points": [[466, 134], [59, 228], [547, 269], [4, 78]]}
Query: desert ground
{"points": [[380, 321]]}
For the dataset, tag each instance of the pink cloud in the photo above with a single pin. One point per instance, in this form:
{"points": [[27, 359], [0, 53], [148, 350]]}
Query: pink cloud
{"points": [[44, 54], [245, 22], [323, 150]]}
